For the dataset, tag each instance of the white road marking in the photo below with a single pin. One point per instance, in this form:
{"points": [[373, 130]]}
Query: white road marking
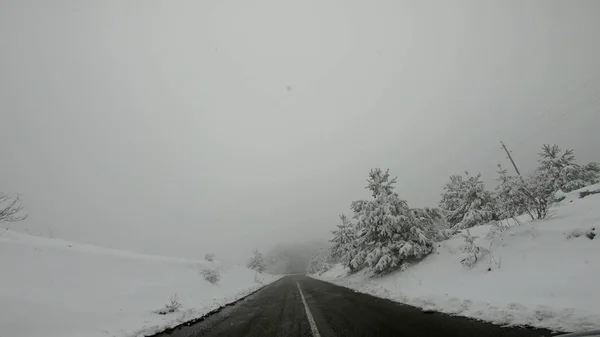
{"points": [[311, 320]]}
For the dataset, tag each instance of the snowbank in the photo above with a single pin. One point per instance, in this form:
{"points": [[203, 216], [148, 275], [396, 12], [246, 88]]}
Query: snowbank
{"points": [[55, 288], [537, 274]]}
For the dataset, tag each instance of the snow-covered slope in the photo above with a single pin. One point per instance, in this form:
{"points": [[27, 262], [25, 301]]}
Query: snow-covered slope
{"points": [[540, 274], [55, 288]]}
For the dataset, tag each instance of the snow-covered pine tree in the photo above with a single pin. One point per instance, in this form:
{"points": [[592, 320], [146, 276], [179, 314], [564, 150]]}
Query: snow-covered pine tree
{"points": [[565, 174], [467, 201], [511, 198], [434, 221], [473, 251], [540, 190], [591, 173], [344, 242], [257, 261], [319, 261], [388, 233]]}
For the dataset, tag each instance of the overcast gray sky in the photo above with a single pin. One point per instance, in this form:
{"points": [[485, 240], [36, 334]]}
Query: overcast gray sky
{"points": [[179, 127]]}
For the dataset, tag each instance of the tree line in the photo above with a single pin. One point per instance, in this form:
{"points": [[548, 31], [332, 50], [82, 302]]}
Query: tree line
{"points": [[384, 234]]}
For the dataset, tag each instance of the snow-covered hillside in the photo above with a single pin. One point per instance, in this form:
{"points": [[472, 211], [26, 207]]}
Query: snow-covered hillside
{"points": [[55, 288], [544, 273]]}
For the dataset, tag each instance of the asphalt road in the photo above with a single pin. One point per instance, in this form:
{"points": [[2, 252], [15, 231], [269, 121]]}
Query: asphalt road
{"points": [[279, 310]]}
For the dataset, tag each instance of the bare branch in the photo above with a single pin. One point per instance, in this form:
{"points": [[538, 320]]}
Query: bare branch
{"points": [[11, 208]]}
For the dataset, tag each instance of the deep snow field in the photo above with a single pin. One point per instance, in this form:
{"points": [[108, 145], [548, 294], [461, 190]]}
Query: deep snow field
{"points": [[55, 288]]}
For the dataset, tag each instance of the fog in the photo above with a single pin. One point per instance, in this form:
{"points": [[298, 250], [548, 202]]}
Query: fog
{"points": [[181, 127]]}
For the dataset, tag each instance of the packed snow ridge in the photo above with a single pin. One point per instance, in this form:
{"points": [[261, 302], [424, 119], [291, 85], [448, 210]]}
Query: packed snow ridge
{"points": [[542, 273], [55, 288]]}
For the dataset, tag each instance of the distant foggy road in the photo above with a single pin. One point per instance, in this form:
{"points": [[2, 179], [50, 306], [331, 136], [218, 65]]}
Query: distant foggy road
{"points": [[280, 309]]}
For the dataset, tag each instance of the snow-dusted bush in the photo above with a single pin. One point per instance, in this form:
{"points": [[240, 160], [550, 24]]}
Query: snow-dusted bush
{"points": [[172, 306], [209, 257], [405, 266], [564, 173], [388, 233], [434, 221], [11, 209], [211, 275], [534, 194], [473, 251], [256, 261], [588, 233], [467, 201], [511, 199], [498, 227], [539, 189]]}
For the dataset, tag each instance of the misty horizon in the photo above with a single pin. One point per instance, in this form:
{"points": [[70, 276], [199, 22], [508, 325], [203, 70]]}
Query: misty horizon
{"points": [[181, 129]]}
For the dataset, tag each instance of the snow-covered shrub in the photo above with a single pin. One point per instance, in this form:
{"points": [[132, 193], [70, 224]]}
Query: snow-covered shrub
{"points": [[564, 173], [589, 233], [497, 227], [388, 233], [209, 257], [211, 275], [511, 200], [11, 209], [473, 251], [434, 221], [256, 261], [539, 189], [170, 307], [556, 174], [467, 201], [533, 194]]}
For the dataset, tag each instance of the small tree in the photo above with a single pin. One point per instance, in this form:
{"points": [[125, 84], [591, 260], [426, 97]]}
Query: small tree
{"points": [[557, 171], [388, 232], [539, 189], [171, 307], [11, 210], [344, 242], [318, 262], [256, 261], [561, 169], [473, 251], [467, 201], [209, 257], [511, 198], [591, 173], [433, 219], [211, 275]]}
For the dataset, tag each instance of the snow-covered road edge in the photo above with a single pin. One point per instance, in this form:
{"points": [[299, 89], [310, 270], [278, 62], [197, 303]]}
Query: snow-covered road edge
{"points": [[192, 316], [513, 315]]}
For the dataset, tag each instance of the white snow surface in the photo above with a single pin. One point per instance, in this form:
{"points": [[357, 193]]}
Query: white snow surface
{"points": [[55, 288], [539, 275]]}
